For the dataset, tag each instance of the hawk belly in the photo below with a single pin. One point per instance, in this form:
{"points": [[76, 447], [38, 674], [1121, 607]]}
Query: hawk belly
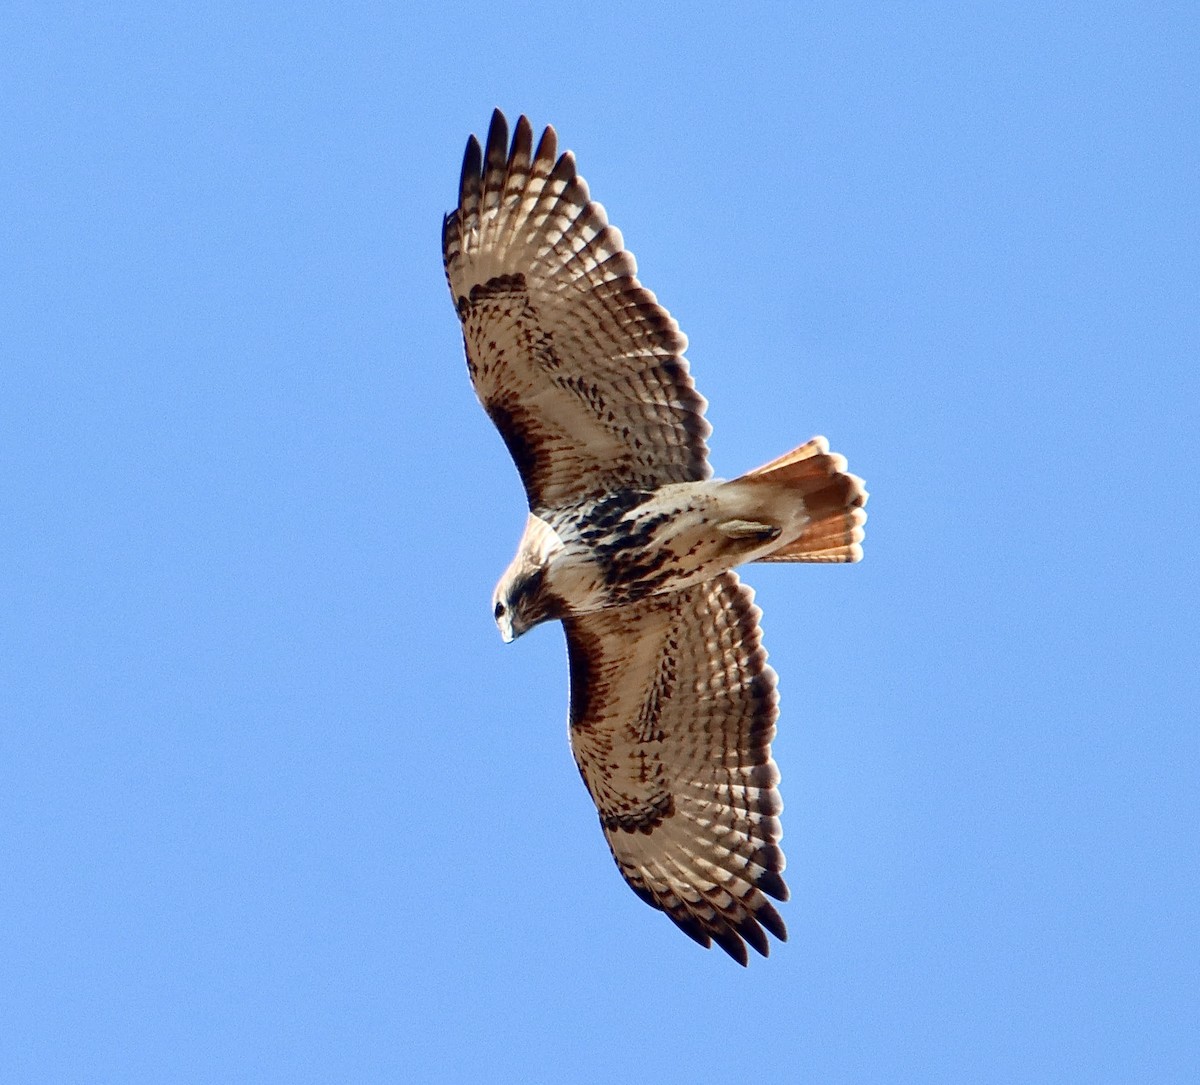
{"points": [[631, 544]]}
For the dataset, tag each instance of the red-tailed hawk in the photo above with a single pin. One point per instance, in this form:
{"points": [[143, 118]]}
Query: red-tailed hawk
{"points": [[630, 543]]}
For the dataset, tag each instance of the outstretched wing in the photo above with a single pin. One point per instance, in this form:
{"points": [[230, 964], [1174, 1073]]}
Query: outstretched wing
{"points": [[577, 364], [673, 709]]}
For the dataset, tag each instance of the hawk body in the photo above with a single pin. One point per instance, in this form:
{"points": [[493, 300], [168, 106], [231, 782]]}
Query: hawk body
{"points": [[629, 540], [631, 543]]}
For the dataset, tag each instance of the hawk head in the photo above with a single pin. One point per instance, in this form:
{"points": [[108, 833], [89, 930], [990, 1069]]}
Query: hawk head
{"points": [[520, 603], [523, 597]]}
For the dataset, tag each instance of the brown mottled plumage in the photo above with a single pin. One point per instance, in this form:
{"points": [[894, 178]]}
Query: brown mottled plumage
{"points": [[630, 542]]}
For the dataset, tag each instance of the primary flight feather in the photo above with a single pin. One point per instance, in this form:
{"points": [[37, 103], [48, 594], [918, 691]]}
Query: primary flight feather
{"points": [[630, 542]]}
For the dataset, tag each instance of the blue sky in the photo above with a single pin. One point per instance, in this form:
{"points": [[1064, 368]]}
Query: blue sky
{"points": [[276, 804]]}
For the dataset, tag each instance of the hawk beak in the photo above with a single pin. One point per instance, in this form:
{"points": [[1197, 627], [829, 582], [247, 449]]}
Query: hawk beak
{"points": [[506, 629]]}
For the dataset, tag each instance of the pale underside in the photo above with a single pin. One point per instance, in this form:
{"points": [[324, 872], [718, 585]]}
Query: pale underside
{"points": [[579, 366], [673, 711], [673, 706]]}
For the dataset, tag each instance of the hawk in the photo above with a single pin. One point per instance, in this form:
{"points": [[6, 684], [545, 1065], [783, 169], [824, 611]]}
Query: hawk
{"points": [[630, 542]]}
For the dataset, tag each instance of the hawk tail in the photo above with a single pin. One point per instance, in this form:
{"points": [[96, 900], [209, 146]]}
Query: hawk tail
{"points": [[833, 498]]}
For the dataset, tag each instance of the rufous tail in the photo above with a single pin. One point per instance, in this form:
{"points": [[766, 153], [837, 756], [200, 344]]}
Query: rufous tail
{"points": [[833, 499]]}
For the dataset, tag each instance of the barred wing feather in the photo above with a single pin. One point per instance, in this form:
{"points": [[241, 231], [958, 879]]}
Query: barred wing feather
{"points": [[577, 364], [673, 709]]}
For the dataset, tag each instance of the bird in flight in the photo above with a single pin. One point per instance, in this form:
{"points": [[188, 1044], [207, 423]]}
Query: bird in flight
{"points": [[630, 542]]}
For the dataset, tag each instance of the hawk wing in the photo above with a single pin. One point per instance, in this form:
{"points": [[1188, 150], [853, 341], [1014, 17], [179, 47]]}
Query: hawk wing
{"points": [[577, 364], [673, 709]]}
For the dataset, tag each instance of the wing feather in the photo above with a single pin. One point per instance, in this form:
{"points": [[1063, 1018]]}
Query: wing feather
{"points": [[673, 709], [575, 361]]}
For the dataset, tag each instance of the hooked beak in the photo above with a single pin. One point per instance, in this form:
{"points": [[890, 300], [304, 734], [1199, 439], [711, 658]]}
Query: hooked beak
{"points": [[504, 623]]}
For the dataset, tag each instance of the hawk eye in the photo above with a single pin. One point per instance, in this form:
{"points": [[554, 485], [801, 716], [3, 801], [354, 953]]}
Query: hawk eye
{"points": [[499, 609]]}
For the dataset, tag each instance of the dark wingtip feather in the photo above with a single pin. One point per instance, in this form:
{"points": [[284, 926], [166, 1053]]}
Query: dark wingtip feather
{"points": [[749, 929], [690, 926], [564, 168], [730, 943], [497, 142], [472, 168], [547, 148], [772, 920], [771, 883], [522, 143]]}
